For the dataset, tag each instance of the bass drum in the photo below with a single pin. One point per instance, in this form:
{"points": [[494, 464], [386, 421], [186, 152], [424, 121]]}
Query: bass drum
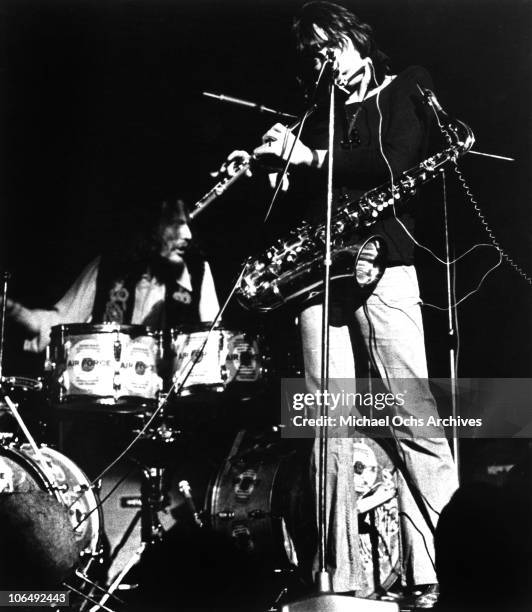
{"points": [[260, 500], [21, 472]]}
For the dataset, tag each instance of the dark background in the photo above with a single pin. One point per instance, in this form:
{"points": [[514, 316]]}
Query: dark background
{"points": [[102, 113]]}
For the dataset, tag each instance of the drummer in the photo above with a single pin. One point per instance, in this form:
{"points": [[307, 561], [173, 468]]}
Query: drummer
{"points": [[161, 280]]}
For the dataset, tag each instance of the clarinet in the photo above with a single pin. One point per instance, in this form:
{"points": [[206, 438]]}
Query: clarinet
{"points": [[222, 186]]}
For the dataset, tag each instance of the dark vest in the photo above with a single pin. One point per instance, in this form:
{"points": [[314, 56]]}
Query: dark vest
{"points": [[117, 281]]}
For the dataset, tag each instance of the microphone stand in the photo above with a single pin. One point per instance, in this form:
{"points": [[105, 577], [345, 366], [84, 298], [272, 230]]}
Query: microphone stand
{"points": [[326, 599], [323, 578], [6, 276], [451, 332]]}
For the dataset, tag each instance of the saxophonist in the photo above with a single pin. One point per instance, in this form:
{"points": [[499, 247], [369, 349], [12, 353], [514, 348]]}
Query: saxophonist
{"points": [[381, 129]]}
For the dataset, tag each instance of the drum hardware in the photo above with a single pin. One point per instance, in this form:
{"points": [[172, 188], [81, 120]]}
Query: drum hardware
{"points": [[17, 389], [87, 598], [226, 515], [21, 382], [151, 493], [3, 307], [130, 501], [134, 559], [159, 430], [161, 433], [83, 576], [117, 347], [6, 438], [275, 605], [152, 500]]}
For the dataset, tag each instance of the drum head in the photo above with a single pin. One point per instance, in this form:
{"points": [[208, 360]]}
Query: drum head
{"points": [[21, 472]]}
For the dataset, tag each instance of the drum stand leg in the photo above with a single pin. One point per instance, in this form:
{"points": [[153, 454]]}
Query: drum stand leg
{"points": [[152, 500]]}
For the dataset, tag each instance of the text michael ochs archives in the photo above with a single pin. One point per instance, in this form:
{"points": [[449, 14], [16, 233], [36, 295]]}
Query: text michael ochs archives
{"points": [[357, 408]]}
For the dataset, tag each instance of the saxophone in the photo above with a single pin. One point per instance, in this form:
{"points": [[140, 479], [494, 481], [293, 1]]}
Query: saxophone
{"points": [[293, 267]]}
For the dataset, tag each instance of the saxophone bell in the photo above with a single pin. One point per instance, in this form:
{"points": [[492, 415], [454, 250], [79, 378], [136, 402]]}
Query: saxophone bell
{"points": [[265, 289]]}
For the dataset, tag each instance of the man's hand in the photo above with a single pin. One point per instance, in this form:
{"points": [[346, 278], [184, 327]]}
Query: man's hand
{"points": [[22, 315], [231, 164], [278, 142]]}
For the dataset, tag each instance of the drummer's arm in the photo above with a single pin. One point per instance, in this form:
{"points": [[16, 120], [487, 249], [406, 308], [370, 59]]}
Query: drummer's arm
{"points": [[28, 318], [208, 302], [74, 307]]}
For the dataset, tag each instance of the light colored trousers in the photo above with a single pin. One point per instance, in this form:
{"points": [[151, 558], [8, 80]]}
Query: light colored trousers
{"points": [[390, 326]]}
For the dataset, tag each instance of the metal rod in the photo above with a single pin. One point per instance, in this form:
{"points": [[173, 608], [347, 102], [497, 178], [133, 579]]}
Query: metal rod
{"points": [[260, 107], [99, 606], [135, 558], [39, 456], [492, 155], [86, 579], [451, 313], [324, 580], [3, 323]]}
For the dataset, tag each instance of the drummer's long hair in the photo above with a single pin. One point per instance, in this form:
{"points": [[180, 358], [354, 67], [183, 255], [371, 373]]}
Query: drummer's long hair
{"points": [[140, 238]]}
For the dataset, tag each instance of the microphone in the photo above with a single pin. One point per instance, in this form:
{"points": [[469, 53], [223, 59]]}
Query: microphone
{"points": [[330, 55], [330, 58], [431, 99], [332, 61], [239, 101], [184, 489]]}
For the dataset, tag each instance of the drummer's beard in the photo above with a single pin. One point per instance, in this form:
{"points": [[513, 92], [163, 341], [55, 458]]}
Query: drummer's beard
{"points": [[170, 266], [175, 252]]}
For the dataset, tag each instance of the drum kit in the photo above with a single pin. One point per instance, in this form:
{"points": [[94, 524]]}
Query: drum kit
{"points": [[135, 373]]}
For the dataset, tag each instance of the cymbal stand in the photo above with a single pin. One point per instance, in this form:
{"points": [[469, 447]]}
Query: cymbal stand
{"points": [[3, 322], [10, 403]]}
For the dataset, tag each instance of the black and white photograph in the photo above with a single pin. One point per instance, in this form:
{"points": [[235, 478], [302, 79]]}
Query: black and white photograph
{"points": [[266, 305]]}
